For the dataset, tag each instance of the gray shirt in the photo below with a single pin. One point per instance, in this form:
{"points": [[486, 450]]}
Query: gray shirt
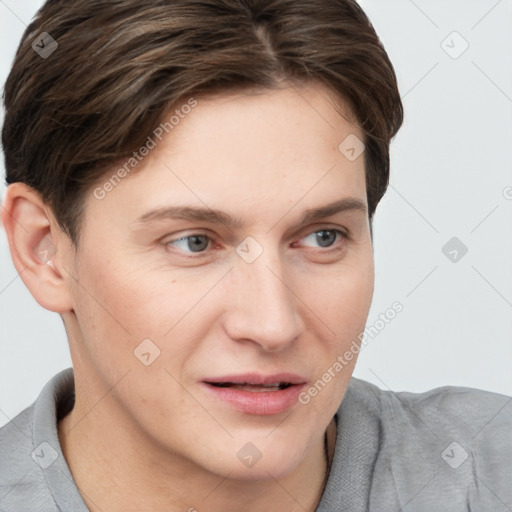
{"points": [[449, 449]]}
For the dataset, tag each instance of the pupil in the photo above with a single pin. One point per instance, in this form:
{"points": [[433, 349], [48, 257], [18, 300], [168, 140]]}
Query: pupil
{"points": [[197, 243], [325, 238]]}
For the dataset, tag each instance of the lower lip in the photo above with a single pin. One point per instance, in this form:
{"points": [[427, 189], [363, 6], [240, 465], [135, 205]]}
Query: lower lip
{"points": [[262, 403]]}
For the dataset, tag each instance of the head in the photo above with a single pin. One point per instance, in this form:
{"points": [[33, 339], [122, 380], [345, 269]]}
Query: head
{"points": [[259, 113]]}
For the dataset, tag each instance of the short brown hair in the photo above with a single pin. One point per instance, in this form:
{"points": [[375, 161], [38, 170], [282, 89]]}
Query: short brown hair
{"points": [[120, 66]]}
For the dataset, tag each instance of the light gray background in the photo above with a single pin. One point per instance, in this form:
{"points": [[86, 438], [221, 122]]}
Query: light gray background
{"points": [[451, 169]]}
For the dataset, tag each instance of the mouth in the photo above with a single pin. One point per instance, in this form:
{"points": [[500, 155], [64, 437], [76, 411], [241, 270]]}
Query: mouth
{"points": [[257, 394], [253, 388]]}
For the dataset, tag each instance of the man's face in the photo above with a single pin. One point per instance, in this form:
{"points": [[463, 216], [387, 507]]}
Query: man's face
{"points": [[268, 295]]}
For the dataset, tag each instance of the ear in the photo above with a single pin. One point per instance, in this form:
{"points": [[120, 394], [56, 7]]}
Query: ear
{"points": [[39, 249]]}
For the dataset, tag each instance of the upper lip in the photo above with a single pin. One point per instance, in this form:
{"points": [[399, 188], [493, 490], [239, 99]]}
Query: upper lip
{"points": [[257, 379]]}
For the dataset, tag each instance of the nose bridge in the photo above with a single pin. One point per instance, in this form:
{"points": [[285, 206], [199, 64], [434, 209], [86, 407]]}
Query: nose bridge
{"points": [[264, 306]]}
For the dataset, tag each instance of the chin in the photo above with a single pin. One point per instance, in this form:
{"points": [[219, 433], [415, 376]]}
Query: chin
{"points": [[264, 470], [258, 460]]}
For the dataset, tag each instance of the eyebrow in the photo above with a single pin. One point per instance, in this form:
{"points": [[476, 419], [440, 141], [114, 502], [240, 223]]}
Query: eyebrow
{"points": [[212, 216]]}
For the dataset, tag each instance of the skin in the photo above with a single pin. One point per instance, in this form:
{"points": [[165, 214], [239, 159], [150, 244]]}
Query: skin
{"points": [[150, 437]]}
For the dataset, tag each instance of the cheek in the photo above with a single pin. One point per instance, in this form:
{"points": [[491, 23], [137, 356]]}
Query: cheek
{"points": [[342, 304], [343, 298], [344, 309], [127, 303], [118, 308], [127, 294]]}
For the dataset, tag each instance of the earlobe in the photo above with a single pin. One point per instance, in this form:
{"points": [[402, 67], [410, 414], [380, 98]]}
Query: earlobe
{"points": [[35, 246]]}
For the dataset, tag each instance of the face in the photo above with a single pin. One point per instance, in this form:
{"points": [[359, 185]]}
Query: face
{"points": [[187, 317]]}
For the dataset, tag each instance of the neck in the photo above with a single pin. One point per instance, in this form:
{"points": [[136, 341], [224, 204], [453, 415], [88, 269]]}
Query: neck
{"points": [[116, 469]]}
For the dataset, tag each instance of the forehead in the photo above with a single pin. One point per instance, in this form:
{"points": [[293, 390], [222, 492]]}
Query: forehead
{"points": [[257, 153]]}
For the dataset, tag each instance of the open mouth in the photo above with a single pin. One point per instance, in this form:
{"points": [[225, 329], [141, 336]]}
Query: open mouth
{"points": [[255, 393], [277, 386]]}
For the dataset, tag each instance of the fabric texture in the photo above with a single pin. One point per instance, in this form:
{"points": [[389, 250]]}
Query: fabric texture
{"points": [[449, 449]]}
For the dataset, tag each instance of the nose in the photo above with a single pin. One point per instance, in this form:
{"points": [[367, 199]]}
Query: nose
{"points": [[263, 306]]}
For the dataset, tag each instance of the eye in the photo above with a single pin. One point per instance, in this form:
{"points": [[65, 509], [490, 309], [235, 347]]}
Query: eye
{"points": [[195, 243], [325, 238], [199, 243]]}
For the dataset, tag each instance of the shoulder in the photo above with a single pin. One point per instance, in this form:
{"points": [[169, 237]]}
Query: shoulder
{"points": [[15, 439], [22, 483], [33, 471], [450, 444], [465, 410]]}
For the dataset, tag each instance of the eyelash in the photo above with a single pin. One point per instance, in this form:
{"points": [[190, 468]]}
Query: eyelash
{"points": [[342, 234]]}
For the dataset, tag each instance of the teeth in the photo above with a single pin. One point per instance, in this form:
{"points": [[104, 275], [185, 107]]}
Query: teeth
{"points": [[256, 389], [277, 386]]}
